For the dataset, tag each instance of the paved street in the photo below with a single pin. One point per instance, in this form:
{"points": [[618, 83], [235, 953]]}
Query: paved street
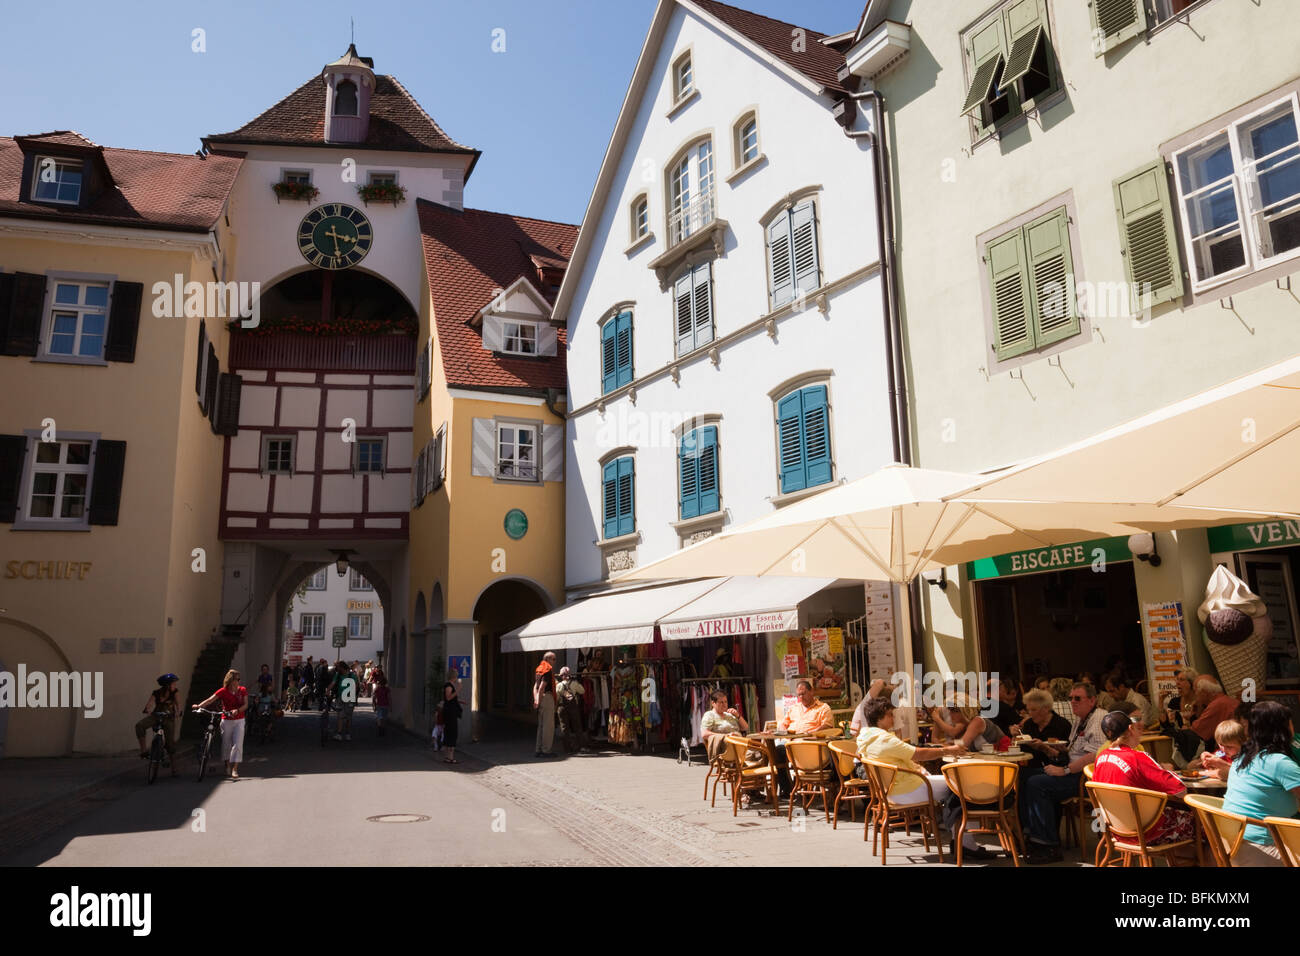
{"points": [[499, 806]]}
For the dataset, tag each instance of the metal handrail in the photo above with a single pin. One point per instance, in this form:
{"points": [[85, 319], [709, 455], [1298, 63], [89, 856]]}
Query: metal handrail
{"points": [[685, 221]]}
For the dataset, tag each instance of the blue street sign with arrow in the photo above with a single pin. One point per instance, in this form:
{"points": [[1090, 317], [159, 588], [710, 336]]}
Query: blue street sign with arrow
{"points": [[459, 665]]}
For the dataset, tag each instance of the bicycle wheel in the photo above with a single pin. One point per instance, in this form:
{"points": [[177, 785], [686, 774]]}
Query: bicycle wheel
{"points": [[155, 757], [204, 749]]}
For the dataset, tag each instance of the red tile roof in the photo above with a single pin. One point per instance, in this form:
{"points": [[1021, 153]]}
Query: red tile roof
{"points": [[397, 121], [817, 61], [468, 257], [149, 190]]}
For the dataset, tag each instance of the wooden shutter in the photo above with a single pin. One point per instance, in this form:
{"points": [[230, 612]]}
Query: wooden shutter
{"points": [[1147, 240], [816, 436], [6, 300], [123, 322], [198, 372], [623, 348], [780, 260], [1013, 328], [626, 497], [483, 453], [552, 452], [210, 386], [1024, 31], [106, 484], [229, 390], [688, 475], [438, 464], [789, 420], [1051, 273], [426, 356], [708, 469], [493, 333], [1115, 22], [803, 229], [22, 323], [985, 53], [609, 499], [702, 305], [685, 320], [609, 355], [421, 478], [12, 450]]}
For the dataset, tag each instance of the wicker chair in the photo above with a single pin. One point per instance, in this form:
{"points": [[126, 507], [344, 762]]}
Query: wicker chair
{"points": [[887, 814], [1075, 813], [720, 770], [1224, 831], [1129, 812], [813, 775], [746, 777], [983, 787], [852, 789], [1286, 836]]}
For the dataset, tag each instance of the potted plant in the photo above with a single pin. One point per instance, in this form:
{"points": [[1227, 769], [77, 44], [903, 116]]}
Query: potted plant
{"points": [[295, 191], [382, 192]]}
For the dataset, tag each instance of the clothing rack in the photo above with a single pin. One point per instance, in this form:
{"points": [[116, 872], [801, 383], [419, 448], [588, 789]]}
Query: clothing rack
{"points": [[751, 714], [662, 663]]}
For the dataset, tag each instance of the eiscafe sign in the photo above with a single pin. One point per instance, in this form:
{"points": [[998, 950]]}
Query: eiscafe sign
{"points": [[766, 622]]}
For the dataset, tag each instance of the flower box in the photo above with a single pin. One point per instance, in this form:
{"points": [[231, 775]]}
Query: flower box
{"points": [[305, 192], [382, 192]]}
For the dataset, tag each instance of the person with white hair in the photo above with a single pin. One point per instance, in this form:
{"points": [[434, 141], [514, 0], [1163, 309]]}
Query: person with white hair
{"points": [[1215, 707]]}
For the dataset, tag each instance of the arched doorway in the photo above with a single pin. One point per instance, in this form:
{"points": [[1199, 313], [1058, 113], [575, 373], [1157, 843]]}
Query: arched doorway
{"points": [[34, 731], [314, 600], [346, 301], [506, 680]]}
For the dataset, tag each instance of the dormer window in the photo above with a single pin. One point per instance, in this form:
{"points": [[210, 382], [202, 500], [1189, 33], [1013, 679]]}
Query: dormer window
{"points": [[57, 180], [683, 78], [345, 99], [520, 338]]}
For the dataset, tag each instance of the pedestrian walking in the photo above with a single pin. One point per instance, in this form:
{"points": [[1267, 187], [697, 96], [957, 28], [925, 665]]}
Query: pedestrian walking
{"points": [[234, 705], [569, 712], [544, 704], [307, 682], [345, 692], [322, 683], [380, 699], [451, 714]]}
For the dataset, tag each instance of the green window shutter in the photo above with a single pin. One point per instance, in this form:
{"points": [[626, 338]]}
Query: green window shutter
{"points": [[1013, 331], [685, 318], [1024, 33], [707, 447], [688, 470], [1146, 237], [985, 53], [789, 430], [609, 355], [623, 347], [803, 231], [626, 497], [1051, 273], [609, 492], [817, 435], [779, 260], [1115, 22]]}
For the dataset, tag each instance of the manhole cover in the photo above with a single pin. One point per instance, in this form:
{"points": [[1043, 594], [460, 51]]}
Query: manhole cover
{"points": [[398, 818]]}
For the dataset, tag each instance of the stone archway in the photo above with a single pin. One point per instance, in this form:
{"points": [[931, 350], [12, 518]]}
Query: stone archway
{"points": [[294, 577], [34, 732], [505, 683]]}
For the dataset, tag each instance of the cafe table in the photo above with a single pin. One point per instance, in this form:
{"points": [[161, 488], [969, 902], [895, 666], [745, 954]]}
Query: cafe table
{"points": [[1209, 786], [1022, 757], [768, 739]]}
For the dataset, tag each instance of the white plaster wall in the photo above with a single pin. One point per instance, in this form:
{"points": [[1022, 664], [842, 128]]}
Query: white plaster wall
{"points": [[803, 147], [393, 409], [340, 493], [389, 492], [292, 493], [299, 407], [346, 403], [256, 405], [306, 452], [247, 492]]}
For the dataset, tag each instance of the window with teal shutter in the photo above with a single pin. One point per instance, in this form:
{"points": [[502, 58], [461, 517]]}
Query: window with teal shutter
{"points": [[616, 352], [803, 434], [697, 469], [618, 493]]}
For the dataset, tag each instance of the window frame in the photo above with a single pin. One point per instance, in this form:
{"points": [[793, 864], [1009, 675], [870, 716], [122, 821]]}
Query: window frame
{"points": [[639, 218], [357, 581], [533, 427], [83, 281], [1019, 106], [696, 343], [315, 616], [780, 395], [611, 320], [1247, 218], [356, 88], [680, 199], [359, 616], [323, 574], [23, 520], [59, 162], [287, 174], [739, 160], [614, 458], [520, 325], [682, 91], [682, 440], [265, 461], [388, 174], [382, 441], [809, 196]]}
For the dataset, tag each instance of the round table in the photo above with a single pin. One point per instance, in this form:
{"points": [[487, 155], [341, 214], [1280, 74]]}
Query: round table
{"points": [[1021, 757]]}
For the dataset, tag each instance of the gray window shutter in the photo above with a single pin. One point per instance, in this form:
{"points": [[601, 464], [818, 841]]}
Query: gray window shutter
{"points": [[1013, 331], [552, 452], [803, 226], [1051, 270], [547, 339], [1147, 240], [703, 305], [483, 454], [985, 53], [779, 261], [1115, 22], [426, 355], [685, 327], [417, 497], [493, 333]]}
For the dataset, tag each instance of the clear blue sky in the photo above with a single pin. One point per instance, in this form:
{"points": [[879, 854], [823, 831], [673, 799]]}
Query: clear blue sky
{"points": [[124, 75]]}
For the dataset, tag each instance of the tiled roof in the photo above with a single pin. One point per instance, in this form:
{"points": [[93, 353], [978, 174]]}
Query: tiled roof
{"points": [[60, 137], [468, 257], [397, 121], [149, 190], [817, 61]]}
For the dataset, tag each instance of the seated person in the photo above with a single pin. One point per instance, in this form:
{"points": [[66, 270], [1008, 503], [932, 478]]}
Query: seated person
{"points": [[1121, 763], [807, 715], [1214, 706], [1264, 781], [877, 689], [1005, 692], [1043, 790], [1229, 736], [972, 731], [1118, 688], [878, 742], [718, 721], [1128, 709], [1060, 688], [1043, 723]]}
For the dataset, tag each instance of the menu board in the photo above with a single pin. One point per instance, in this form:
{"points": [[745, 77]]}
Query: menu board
{"points": [[879, 631], [1166, 645]]}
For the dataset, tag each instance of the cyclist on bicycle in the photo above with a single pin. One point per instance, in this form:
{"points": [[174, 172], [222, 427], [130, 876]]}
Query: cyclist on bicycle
{"points": [[344, 690], [167, 697]]}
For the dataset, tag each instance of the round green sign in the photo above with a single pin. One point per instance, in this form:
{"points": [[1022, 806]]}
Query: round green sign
{"points": [[516, 523]]}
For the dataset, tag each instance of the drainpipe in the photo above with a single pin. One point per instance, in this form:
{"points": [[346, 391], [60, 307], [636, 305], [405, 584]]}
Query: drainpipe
{"points": [[553, 396]]}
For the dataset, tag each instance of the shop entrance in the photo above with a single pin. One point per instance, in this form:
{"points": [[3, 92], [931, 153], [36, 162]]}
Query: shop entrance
{"points": [[1061, 623], [508, 678], [1272, 576]]}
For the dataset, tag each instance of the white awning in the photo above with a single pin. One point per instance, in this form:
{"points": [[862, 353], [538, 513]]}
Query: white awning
{"points": [[625, 616], [742, 605]]}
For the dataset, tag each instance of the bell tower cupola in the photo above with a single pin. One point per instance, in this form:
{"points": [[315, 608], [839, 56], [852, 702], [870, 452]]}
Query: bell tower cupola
{"points": [[349, 82]]}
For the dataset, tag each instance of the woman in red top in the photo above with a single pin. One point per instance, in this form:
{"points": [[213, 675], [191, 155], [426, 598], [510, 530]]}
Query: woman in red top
{"points": [[1124, 765], [234, 703]]}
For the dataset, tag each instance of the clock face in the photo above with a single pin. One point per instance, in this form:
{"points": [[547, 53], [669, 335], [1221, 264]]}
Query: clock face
{"points": [[334, 236]]}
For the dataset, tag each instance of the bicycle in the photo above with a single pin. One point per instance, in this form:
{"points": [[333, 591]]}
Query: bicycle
{"points": [[158, 747], [210, 735]]}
